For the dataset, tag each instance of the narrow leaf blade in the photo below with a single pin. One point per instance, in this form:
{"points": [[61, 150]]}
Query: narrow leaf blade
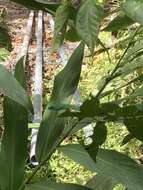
{"points": [[65, 85], [14, 142], [10, 87]]}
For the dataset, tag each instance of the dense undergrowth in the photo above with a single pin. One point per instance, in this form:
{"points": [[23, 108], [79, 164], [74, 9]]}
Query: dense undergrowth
{"points": [[102, 85], [62, 169]]}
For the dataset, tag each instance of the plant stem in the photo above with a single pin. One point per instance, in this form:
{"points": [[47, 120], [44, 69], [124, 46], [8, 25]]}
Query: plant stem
{"points": [[112, 76], [45, 159]]}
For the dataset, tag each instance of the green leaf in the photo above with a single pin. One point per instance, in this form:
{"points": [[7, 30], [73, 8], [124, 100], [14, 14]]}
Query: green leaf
{"points": [[10, 87], [81, 124], [118, 23], [137, 79], [88, 22], [134, 111], [132, 66], [134, 126], [79, 155], [135, 51], [14, 142], [98, 138], [91, 108], [35, 5], [19, 72], [138, 92], [55, 186], [61, 20], [133, 9], [5, 40], [65, 85], [101, 182], [46, 2], [71, 35], [119, 167], [14, 145]]}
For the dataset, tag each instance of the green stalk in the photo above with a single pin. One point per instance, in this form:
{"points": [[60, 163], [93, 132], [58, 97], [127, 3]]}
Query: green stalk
{"points": [[113, 75], [22, 187]]}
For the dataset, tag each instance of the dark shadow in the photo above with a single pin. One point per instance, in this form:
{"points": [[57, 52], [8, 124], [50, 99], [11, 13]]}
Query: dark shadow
{"points": [[14, 11]]}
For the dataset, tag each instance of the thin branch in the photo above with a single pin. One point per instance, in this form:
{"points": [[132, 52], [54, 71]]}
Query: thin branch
{"points": [[112, 75]]}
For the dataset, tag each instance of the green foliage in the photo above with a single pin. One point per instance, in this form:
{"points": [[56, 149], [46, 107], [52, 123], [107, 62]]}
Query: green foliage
{"points": [[14, 143], [3, 54], [129, 174], [55, 186], [88, 23], [118, 23], [61, 19], [100, 182], [10, 87], [38, 5], [133, 9], [61, 119], [48, 137]]}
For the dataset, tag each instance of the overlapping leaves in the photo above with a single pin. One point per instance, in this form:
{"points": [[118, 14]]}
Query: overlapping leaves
{"points": [[88, 22], [120, 168], [65, 85], [14, 142]]}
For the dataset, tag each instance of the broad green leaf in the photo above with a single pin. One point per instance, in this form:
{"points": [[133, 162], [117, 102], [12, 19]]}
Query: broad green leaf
{"points": [[101, 182], [88, 22], [118, 23], [61, 21], [14, 145], [5, 40], [79, 155], [55, 186], [65, 85], [14, 142], [35, 5], [119, 167], [133, 9], [10, 87]]}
